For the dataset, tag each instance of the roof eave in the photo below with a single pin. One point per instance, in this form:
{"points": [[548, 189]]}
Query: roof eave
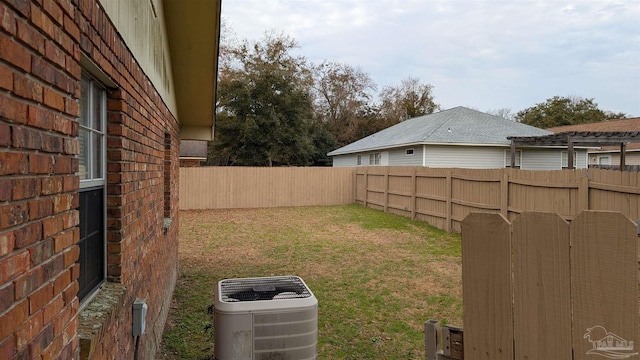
{"points": [[193, 31]]}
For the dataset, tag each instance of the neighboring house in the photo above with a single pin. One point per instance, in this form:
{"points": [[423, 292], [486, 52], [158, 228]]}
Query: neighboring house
{"points": [[608, 155], [458, 137], [95, 96], [192, 153]]}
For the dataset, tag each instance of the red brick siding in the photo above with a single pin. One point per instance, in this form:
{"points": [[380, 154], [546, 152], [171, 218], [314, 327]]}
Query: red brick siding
{"points": [[40, 47], [33, 210], [190, 163]]}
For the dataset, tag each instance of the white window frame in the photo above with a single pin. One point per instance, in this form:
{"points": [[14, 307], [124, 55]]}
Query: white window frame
{"points": [[374, 158], [91, 179], [359, 160], [507, 158], [409, 152], [607, 157]]}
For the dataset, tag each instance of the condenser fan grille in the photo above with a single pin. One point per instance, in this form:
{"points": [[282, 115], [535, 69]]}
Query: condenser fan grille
{"points": [[265, 288]]}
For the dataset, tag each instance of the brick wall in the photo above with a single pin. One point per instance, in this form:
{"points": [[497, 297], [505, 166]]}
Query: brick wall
{"points": [[190, 163], [41, 44]]}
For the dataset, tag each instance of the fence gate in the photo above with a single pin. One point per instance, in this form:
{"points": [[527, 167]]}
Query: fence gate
{"points": [[541, 288]]}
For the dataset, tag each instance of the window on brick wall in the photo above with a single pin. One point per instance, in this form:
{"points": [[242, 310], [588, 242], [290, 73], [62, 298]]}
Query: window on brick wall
{"points": [[91, 171]]}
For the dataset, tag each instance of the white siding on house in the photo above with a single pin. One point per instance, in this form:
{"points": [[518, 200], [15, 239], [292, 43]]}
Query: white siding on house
{"points": [[541, 159], [632, 157], [459, 156], [550, 159], [143, 28], [399, 157], [348, 160], [365, 158], [582, 160], [384, 158], [472, 157]]}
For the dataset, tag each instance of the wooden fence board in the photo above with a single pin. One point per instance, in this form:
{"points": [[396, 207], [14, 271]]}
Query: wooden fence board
{"points": [[486, 260], [604, 288], [255, 187], [541, 284], [507, 191], [574, 288]]}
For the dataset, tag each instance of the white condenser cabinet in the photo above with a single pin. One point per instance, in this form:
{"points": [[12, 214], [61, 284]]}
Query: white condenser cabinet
{"points": [[265, 318]]}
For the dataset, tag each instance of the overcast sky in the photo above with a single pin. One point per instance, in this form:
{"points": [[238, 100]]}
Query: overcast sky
{"points": [[485, 55]]}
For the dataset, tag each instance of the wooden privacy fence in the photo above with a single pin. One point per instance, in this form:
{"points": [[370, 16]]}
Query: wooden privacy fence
{"points": [[257, 187], [443, 197], [541, 288]]}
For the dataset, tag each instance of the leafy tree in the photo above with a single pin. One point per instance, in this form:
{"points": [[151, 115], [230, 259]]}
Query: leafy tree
{"points": [[323, 143], [610, 115], [410, 99], [273, 108], [263, 105], [559, 111], [342, 93]]}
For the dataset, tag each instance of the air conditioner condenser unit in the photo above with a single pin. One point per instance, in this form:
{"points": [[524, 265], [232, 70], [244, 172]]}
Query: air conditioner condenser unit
{"points": [[265, 318]]}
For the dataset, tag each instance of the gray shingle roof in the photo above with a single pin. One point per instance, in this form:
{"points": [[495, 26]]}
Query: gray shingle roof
{"points": [[458, 125]]}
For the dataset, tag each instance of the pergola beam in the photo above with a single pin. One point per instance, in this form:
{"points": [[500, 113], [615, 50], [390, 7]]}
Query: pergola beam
{"points": [[577, 138], [570, 163], [580, 138]]}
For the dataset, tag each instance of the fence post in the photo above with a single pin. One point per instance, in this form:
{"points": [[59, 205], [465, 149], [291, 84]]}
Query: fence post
{"points": [[504, 195], [583, 194], [355, 185], [386, 189], [447, 225], [414, 188], [442, 342], [431, 343], [366, 187]]}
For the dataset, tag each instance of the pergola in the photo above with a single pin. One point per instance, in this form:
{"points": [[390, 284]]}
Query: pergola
{"points": [[576, 138]]}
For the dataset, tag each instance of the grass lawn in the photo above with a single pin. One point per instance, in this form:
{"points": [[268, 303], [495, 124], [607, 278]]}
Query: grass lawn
{"points": [[378, 277]]}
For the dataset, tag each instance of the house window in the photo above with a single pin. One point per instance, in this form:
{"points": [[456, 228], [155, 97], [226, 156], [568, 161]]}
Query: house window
{"points": [[604, 159], [359, 160], [409, 152], [91, 171], [91, 136], [564, 158], [507, 158], [374, 158]]}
